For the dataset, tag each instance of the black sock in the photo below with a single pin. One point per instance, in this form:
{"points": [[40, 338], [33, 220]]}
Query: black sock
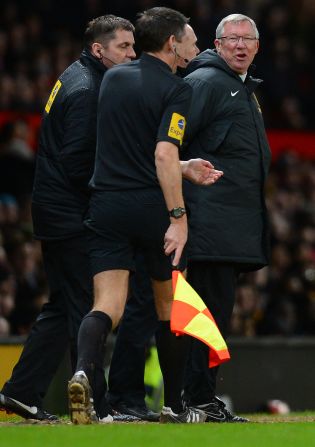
{"points": [[172, 351], [92, 337]]}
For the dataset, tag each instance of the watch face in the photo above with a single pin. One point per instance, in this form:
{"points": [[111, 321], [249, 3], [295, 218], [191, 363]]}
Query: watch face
{"points": [[177, 212]]}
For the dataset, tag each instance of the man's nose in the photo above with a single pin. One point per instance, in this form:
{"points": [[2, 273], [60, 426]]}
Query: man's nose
{"points": [[131, 53], [241, 43]]}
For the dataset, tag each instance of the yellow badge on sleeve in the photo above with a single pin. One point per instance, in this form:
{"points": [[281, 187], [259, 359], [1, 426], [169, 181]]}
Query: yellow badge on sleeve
{"points": [[177, 127], [53, 96]]}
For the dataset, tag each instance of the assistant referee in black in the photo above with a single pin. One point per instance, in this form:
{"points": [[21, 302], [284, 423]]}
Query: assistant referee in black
{"points": [[137, 203]]}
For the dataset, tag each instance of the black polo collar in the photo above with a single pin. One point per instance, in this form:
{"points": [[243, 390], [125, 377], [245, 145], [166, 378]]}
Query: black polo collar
{"points": [[155, 61]]}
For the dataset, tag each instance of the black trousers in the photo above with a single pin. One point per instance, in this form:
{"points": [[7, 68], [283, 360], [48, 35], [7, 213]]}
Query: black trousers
{"points": [[66, 263], [215, 282]]}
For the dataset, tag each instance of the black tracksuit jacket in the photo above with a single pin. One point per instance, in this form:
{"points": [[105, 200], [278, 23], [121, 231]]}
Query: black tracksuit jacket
{"points": [[228, 220], [65, 158]]}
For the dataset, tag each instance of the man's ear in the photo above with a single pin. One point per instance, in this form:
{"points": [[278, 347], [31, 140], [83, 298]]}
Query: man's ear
{"points": [[218, 43], [171, 44], [96, 50]]}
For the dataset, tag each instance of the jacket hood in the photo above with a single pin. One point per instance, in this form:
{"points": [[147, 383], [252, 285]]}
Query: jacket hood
{"points": [[210, 58]]}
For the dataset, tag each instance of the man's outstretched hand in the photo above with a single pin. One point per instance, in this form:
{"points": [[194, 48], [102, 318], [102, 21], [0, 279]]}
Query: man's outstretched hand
{"points": [[200, 172]]}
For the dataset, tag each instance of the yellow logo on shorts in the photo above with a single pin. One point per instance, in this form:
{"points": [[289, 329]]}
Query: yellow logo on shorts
{"points": [[53, 96], [177, 127]]}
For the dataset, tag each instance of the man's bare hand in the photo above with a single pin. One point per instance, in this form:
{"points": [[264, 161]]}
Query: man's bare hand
{"points": [[200, 172], [175, 239]]}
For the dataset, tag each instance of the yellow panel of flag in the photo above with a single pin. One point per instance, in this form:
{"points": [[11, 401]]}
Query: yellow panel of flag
{"points": [[191, 316]]}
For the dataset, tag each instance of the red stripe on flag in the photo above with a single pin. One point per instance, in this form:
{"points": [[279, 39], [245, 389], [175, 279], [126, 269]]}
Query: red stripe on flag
{"points": [[174, 278], [209, 315], [218, 357], [182, 314]]}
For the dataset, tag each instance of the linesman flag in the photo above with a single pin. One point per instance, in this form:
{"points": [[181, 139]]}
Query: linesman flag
{"points": [[191, 316]]}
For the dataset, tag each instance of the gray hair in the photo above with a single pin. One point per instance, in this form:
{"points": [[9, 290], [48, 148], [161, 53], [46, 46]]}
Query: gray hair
{"points": [[235, 18]]}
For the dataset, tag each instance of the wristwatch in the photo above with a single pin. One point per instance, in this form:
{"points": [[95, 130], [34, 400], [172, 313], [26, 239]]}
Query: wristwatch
{"points": [[177, 212]]}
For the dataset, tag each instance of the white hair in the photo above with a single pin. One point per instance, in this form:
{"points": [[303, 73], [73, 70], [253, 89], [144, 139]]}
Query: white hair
{"points": [[235, 18]]}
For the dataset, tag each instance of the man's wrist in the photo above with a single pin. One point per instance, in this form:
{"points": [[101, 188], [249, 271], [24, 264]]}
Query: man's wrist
{"points": [[184, 166], [177, 212]]}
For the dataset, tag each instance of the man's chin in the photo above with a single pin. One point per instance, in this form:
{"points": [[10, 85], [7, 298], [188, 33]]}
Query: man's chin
{"points": [[240, 68]]}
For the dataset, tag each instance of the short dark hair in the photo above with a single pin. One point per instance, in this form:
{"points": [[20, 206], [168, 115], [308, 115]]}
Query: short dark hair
{"points": [[103, 29], [154, 26]]}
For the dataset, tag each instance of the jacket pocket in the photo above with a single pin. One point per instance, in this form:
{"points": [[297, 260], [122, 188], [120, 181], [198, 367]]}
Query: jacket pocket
{"points": [[212, 138]]}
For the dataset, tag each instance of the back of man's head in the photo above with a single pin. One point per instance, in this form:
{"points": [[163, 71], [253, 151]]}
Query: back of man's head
{"points": [[102, 29], [154, 27]]}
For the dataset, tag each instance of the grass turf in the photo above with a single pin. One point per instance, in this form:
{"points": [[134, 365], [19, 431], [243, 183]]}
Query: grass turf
{"points": [[296, 431]]}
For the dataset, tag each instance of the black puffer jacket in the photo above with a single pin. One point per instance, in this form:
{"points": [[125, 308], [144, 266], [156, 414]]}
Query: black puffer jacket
{"points": [[65, 159], [228, 221]]}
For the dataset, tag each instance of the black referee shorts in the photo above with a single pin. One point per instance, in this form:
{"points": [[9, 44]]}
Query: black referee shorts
{"points": [[123, 222]]}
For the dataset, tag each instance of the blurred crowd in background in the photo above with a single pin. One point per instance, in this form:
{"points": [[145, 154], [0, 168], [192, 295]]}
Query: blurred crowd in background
{"points": [[39, 39]]}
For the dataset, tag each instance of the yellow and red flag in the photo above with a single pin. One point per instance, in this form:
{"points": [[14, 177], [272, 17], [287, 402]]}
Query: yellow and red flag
{"points": [[191, 316]]}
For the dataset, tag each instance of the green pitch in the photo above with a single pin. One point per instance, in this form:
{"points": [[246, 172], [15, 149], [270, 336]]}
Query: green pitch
{"points": [[293, 431]]}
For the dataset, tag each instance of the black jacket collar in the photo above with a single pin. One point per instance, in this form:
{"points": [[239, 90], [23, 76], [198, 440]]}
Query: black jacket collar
{"points": [[210, 58], [155, 61], [87, 58]]}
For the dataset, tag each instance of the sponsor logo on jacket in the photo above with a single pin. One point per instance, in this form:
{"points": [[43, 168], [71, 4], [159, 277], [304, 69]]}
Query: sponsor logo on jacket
{"points": [[53, 96], [177, 127]]}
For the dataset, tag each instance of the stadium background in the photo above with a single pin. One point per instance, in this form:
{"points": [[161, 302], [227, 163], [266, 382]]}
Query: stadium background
{"points": [[274, 318]]}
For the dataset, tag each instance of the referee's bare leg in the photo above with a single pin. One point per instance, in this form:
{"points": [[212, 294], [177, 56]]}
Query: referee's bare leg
{"points": [[88, 383]]}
